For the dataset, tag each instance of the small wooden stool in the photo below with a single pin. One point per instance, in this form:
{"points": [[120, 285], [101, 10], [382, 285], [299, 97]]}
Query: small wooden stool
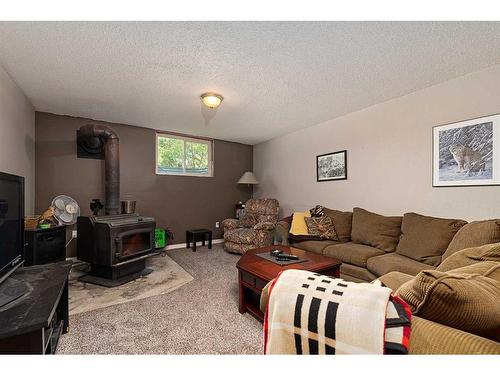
{"points": [[193, 235]]}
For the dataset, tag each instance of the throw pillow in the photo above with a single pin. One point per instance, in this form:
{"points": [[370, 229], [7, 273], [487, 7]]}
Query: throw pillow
{"points": [[375, 230], [321, 227], [299, 227], [477, 233], [466, 298], [425, 238], [317, 211], [486, 268], [470, 256], [342, 222]]}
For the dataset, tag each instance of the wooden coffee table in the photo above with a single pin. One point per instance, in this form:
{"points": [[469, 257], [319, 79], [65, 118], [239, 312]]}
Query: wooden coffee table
{"points": [[255, 272]]}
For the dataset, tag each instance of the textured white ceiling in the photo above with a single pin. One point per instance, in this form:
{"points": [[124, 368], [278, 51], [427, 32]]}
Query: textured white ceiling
{"points": [[276, 77]]}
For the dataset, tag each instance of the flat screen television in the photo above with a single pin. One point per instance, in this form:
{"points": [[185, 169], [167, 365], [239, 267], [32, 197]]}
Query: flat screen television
{"points": [[11, 223]]}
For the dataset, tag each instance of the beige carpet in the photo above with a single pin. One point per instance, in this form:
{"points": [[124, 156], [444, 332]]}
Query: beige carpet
{"points": [[200, 317], [167, 275]]}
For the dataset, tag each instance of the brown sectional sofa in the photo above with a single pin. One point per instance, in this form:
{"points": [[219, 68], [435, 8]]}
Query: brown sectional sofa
{"points": [[371, 245], [446, 270], [429, 337]]}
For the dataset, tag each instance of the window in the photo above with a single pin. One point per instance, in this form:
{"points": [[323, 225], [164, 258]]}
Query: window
{"points": [[185, 156]]}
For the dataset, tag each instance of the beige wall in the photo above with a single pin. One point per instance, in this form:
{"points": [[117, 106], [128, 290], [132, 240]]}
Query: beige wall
{"points": [[389, 148], [17, 136]]}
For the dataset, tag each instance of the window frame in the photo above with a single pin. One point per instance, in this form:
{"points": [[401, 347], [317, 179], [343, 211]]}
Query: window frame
{"points": [[186, 138]]}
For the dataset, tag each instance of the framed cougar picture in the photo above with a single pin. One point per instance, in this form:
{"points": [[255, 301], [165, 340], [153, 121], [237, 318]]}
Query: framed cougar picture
{"points": [[332, 166], [466, 153]]}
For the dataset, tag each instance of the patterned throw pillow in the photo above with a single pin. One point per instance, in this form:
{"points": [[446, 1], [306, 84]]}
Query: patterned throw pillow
{"points": [[317, 211], [321, 227]]}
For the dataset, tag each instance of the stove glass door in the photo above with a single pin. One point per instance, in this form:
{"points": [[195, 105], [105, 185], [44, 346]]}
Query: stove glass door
{"points": [[134, 242]]}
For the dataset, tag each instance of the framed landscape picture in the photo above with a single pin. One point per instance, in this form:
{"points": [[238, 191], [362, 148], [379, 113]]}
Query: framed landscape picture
{"points": [[332, 166], [466, 153]]}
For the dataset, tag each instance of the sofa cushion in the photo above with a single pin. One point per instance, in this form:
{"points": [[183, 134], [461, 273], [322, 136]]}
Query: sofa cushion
{"points": [[248, 220], [425, 238], [353, 253], [342, 222], [465, 298], [382, 264], [350, 272], [477, 233], [395, 279], [264, 209], [375, 230], [486, 268], [470, 256], [350, 278], [314, 246], [433, 338], [263, 206], [321, 227]]}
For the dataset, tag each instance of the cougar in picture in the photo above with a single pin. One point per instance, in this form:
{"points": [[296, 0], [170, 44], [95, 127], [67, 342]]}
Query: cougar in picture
{"points": [[467, 159]]}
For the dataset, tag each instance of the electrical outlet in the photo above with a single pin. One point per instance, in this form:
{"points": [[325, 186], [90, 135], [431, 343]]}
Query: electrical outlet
{"points": [[217, 225], [73, 234]]}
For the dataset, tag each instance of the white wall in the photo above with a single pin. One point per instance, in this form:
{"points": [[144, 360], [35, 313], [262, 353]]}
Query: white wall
{"points": [[17, 136], [389, 152]]}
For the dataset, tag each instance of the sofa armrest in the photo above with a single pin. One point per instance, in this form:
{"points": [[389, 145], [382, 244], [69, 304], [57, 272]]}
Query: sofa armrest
{"points": [[230, 224], [281, 233], [433, 338], [265, 225]]}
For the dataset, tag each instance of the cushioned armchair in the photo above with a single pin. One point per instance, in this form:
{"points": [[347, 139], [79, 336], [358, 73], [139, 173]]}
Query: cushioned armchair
{"points": [[254, 229]]}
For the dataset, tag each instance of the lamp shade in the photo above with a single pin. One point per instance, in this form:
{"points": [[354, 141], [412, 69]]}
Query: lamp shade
{"points": [[248, 178]]}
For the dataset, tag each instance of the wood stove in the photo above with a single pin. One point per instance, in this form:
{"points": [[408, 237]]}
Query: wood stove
{"points": [[116, 246]]}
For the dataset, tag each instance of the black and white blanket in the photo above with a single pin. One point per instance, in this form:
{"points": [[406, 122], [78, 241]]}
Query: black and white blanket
{"points": [[309, 313]]}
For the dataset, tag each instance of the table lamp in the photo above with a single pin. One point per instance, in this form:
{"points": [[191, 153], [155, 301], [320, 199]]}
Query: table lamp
{"points": [[249, 179]]}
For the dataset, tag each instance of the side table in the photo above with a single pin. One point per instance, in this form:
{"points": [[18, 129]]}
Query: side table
{"points": [[193, 235]]}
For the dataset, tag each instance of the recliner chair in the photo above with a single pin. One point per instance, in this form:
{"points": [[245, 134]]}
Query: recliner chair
{"points": [[254, 229]]}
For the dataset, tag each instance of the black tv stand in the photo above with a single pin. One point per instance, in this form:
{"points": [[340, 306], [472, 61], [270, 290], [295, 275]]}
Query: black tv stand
{"points": [[12, 291], [33, 322]]}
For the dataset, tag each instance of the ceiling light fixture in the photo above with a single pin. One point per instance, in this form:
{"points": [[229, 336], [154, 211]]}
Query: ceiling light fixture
{"points": [[211, 99]]}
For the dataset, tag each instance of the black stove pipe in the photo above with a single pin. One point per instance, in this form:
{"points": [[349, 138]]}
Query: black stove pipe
{"points": [[111, 163]]}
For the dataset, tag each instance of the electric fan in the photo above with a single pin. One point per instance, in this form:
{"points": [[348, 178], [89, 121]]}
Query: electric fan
{"points": [[66, 210]]}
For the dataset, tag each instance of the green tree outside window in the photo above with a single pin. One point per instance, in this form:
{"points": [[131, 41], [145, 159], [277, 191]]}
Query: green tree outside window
{"points": [[180, 155]]}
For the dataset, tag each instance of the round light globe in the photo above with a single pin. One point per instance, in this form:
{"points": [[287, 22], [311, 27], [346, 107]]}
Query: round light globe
{"points": [[211, 100]]}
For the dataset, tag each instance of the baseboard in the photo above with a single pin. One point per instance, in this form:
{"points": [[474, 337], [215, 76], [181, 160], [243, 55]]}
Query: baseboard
{"points": [[169, 247], [198, 244]]}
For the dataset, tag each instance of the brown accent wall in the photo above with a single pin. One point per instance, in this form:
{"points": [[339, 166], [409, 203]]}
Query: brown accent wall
{"points": [[178, 202]]}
